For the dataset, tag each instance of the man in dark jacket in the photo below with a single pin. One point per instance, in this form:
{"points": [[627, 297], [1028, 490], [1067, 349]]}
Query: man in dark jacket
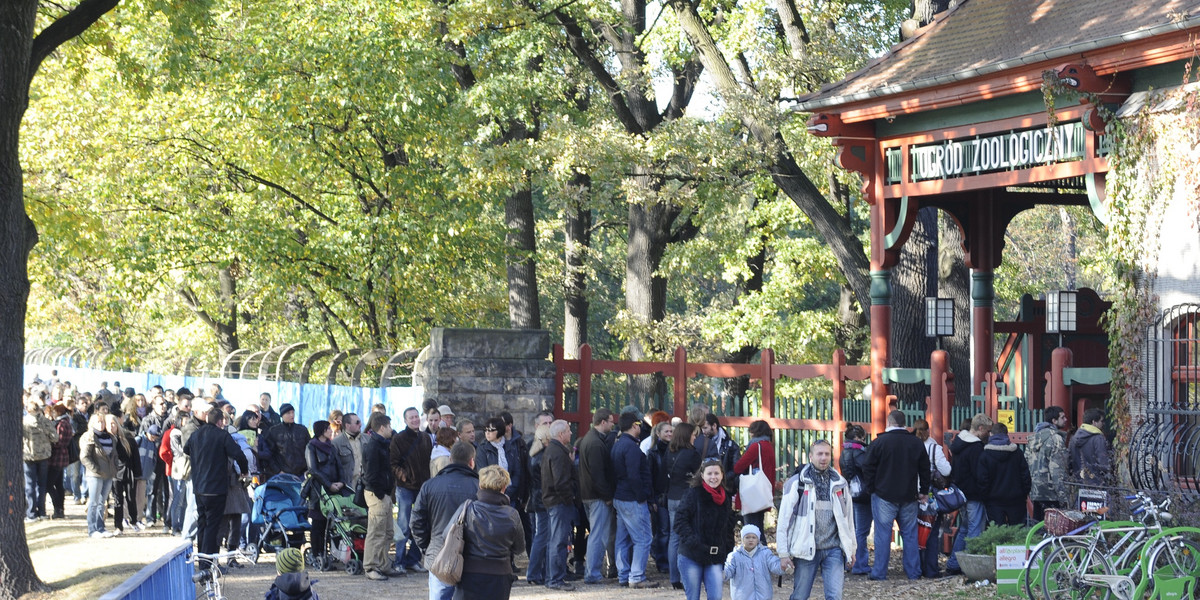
{"points": [[559, 483], [897, 467], [1004, 473], [436, 503], [1090, 460], [410, 450], [380, 486], [630, 497], [285, 443], [209, 450], [270, 418], [966, 450], [596, 483]]}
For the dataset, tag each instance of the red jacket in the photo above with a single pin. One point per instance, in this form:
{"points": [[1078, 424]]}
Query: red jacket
{"points": [[750, 459], [164, 449]]}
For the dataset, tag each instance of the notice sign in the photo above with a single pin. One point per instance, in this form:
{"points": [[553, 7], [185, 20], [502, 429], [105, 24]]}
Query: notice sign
{"points": [[1092, 500], [1017, 149], [1009, 418], [1010, 563]]}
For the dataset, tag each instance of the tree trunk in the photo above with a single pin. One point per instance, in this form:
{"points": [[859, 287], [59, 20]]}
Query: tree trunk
{"points": [[739, 385], [577, 229], [524, 311], [914, 279], [954, 281], [17, 237], [1071, 255], [646, 288]]}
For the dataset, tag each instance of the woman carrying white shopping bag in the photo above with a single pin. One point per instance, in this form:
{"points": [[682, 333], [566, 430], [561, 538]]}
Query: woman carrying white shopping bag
{"points": [[756, 486]]}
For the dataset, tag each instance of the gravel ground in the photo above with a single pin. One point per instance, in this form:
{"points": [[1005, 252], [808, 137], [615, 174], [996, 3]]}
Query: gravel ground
{"points": [[252, 581]]}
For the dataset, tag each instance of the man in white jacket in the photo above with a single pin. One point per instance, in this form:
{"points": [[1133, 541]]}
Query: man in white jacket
{"points": [[816, 525]]}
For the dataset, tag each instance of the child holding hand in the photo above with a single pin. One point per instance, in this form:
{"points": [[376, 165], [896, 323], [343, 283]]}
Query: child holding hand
{"points": [[750, 567]]}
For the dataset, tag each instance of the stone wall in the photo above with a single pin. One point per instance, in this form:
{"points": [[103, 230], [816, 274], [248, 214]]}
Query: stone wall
{"points": [[481, 372]]}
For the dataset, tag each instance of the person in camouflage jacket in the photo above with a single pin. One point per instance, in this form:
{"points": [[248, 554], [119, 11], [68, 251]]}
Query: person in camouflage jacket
{"points": [[1046, 453]]}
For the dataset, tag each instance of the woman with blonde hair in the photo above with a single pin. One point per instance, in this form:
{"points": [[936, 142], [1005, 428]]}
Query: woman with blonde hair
{"points": [[536, 509], [492, 538], [128, 471]]}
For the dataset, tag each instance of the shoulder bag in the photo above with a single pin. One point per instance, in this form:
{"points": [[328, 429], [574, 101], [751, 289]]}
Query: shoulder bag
{"points": [[447, 566], [755, 490]]}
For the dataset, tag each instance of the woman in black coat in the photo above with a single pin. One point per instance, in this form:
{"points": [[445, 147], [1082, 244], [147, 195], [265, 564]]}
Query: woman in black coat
{"points": [[680, 465], [704, 524], [323, 470], [854, 456], [492, 538], [129, 470]]}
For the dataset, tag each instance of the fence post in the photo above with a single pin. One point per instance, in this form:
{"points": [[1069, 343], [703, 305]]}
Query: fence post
{"points": [[585, 381], [838, 379], [768, 383], [681, 382]]}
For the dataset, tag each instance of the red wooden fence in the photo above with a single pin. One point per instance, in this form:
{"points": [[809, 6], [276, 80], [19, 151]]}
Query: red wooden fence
{"points": [[766, 372]]}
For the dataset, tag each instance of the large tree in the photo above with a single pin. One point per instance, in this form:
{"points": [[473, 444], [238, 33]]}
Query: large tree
{"points": [[23, 47]]}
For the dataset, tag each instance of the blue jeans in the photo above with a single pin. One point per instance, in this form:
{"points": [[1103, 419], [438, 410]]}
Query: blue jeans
{"points": [[633, 530], [660, 521], [191, 514], [885, 513], [98, 493], [862, 526], [536, 573], [558, 523], [673, 544], [441, 591], [833, 574], [37, 477], [403, 533], [971, 526], [694, 574], [600, 526], [178, 504], [73, 480]]}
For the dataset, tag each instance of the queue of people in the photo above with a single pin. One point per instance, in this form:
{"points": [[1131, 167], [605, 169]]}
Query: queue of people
{"points": [[629, 493]]}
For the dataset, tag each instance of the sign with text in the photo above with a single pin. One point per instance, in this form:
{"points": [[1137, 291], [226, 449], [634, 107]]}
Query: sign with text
{"points": [[1007, 151]]}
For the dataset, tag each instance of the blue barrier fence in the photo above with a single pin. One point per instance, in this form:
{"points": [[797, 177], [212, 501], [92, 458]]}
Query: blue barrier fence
{"points": [[312, 401], [168, 578]]}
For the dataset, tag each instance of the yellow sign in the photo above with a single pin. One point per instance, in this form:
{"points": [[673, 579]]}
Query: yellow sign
{"points": [[1008, 417]]}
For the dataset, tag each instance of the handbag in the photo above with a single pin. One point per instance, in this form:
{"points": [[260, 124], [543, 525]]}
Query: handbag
{"points": [[360, 494], [949, 499], [447, 566], [939, 480], [925, 519], [755, 490], [856, 487]]}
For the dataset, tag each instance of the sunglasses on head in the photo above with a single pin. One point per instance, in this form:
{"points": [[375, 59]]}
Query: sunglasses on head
{"points": [[492, 429]]}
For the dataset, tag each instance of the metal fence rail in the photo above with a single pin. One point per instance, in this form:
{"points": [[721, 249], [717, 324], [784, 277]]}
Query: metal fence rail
{"points": [[168, 578]]}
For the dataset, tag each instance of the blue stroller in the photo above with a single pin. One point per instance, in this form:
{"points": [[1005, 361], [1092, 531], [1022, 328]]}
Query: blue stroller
{"points": [[282, 514]]}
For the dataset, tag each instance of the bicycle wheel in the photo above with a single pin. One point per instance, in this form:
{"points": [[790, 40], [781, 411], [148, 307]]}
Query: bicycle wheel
{"points": [[1173, 558], [1063, 571], [1032, 574]]}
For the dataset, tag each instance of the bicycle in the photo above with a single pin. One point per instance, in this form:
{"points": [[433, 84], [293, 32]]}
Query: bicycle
{"points": [[1125, 551], [211, 577]]}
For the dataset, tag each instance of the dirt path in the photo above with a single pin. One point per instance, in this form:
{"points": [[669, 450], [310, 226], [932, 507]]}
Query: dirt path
{"points": [[78, 567]]}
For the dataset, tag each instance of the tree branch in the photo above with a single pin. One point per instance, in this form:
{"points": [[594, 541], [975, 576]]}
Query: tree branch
{"points": [[582, 49], [65, 28]]}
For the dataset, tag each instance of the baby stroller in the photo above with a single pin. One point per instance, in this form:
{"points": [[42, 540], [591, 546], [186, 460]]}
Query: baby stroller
{"points": [[346, 532], [281, 512]]}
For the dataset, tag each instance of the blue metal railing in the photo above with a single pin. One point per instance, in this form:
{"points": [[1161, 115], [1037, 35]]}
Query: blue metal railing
{"points": [[168, 578]]}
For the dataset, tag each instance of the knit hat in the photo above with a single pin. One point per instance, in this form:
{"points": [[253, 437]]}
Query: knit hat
{"points": [[289, 560], [319, 428], [751, 529], [286, 408]]}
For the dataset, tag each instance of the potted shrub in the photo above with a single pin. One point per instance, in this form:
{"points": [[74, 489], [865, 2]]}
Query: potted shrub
{"points": [[979, 561]]}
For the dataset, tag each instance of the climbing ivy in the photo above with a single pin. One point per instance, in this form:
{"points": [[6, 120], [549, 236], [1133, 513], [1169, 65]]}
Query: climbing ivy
{"points": [[1154, 158]]}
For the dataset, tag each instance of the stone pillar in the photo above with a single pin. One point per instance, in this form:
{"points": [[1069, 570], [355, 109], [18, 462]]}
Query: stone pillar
{"points": [[481, 372], [982, 327]]}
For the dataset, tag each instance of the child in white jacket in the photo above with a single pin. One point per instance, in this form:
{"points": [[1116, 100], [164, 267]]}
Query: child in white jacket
{"points": [[750, 566]]}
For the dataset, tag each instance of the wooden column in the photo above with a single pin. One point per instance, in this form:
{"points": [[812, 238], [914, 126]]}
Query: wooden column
{"points": [[680, 376], [881, 327], [939, 410], [982, 327]]}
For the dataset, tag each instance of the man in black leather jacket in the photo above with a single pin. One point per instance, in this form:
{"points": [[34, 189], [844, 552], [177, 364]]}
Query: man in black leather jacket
{"points": [[209, 450], [436, 503], [380, 485], [286, 443]]}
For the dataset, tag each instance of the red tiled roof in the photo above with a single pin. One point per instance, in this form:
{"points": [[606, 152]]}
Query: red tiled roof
{"points": [[980, 36]]}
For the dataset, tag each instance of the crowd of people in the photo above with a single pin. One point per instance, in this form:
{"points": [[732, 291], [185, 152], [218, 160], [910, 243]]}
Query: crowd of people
{"points": [[630, 493]]}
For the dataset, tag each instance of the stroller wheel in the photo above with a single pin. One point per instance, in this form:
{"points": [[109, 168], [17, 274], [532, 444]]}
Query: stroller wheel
{"points": [[354, 567], [310, 559]]}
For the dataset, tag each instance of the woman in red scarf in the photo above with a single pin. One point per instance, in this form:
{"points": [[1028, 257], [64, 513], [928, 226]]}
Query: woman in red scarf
{"points": [[703, 523]]}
